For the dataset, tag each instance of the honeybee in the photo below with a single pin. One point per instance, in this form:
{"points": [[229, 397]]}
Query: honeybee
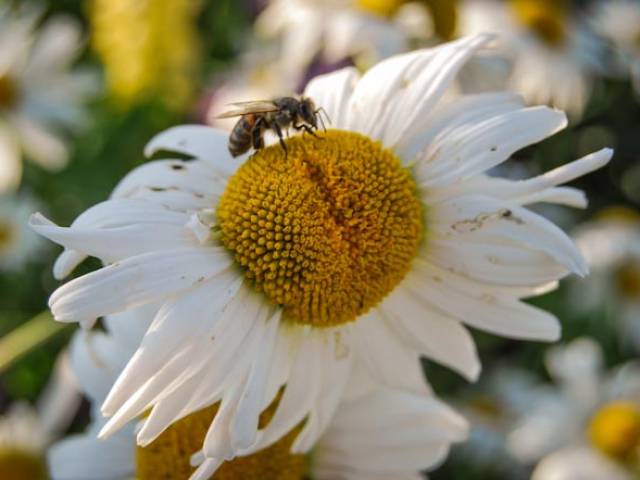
{"points": [[256, 117]]}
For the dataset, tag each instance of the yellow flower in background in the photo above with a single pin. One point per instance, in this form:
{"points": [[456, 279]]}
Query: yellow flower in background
{"points": [[148, 48]]}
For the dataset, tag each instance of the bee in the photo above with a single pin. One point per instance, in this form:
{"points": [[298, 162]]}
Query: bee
{"points": [[256, 117]]}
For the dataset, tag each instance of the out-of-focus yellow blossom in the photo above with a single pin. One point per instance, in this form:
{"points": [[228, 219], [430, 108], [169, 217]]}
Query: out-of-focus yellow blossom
{"points": [[444, 13], [545, 18], [148, 47]]}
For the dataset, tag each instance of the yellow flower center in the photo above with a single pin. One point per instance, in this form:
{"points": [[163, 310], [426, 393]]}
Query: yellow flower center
{"points": [[8, 92], [628, 280], [168, 456], [382, 8], [444, 14], [545, 18], [22, 465], [7, 235], [325, 231], [615, 430]]}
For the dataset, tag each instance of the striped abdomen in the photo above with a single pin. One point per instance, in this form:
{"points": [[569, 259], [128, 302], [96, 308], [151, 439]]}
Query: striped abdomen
{"points": [[240, 139]]}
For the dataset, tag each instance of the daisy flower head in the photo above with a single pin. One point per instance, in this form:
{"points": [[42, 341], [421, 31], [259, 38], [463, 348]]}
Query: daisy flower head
{"points": [[22, 444], [39, 96], [378, 240], [611, 245], [588, 423], [375, 433], [26, 432], [619, 22], [553, 55]]}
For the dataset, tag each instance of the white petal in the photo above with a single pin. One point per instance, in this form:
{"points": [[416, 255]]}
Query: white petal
{"points": [[206, 469], [195, 177], [201, 142], [244, 427], [434, 335], [494, 263], [135, 281], [450, 116], [484, 309], [41, 145], [485, 218], [333, 92], [87, 458], [191, 315], [392, 432], [473, 149], [390, 361], [337, 364], [118, 243], [392, 98]]}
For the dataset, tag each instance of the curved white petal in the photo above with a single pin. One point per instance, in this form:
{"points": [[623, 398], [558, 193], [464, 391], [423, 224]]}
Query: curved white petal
{"points": [[386, 432], [136, 281], [476, 217], [394, 97], [433, 334], [332, 92], [474, 148], [195, 177], [201, 142]]}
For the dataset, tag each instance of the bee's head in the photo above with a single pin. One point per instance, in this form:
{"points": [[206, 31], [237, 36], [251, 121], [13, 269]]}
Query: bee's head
{"points": [[307, 111]]}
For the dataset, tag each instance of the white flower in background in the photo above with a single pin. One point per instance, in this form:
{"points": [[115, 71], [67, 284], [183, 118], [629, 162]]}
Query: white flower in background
{"points": [[553, 56], [589, 423], [18, 242], [619, 22], [337, 29], [611, 246], [376, 432], [22, 444], [491, 406], [25, 431], [39, 97], [379, 241]]}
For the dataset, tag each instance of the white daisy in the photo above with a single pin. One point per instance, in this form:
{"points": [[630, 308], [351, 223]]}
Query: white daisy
{"points": [[334, 30], [619, 21], [590, 415], [490, 407], [39, 97], [283, 269], [25, 431], [553, 56], [375, 433], [611, 246], [22, 443], [18, 242]]}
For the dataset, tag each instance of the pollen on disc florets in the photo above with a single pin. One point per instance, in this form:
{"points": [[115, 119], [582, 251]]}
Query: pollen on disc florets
{"points": [[325, 231]]}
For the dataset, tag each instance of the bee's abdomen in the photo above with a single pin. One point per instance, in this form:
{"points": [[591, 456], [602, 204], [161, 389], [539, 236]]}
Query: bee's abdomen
{"points": [[240, 138]]}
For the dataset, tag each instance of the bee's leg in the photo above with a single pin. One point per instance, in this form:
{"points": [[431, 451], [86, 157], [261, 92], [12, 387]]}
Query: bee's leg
{"points": [[307, 129], [278, 130], [256, 135]]}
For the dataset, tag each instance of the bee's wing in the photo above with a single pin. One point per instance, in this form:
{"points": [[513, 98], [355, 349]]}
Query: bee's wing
{"points": [[260, 106]]}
